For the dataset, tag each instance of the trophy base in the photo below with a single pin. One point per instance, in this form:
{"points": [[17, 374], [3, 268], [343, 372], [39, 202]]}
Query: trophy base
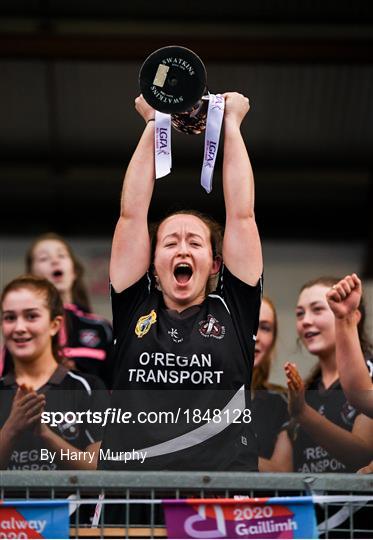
{"points": [[192, 122]]}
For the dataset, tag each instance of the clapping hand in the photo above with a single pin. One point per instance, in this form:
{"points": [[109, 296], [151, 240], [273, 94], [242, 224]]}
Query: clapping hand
{"points": [[26, 410], [296, 390]]}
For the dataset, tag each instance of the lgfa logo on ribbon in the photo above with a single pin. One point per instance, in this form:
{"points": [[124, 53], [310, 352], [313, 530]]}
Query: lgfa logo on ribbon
{"points": [[162, 141], [215, 115], [162, 144]]}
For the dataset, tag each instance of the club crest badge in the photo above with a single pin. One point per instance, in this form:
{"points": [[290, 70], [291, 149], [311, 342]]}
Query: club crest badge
{"points": [[144, 323], [211, 328], [89, 338], [69, 431], [175, 336]]}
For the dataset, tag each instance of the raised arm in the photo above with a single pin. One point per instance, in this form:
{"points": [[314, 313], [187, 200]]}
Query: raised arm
{"points": [[242, 251], [344, 299], [130, 253]]}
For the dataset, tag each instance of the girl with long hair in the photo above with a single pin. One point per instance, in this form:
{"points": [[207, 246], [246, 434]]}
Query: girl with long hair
{"points": [[31, 316], [85, 338], [329, 434]]}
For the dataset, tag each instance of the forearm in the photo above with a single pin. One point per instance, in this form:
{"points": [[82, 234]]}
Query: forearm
{"points": [[55, 443], [270, 465], [241, 245], [353, 372], [139, 179], [265, 465], [340, 443], [238, 178], [130, 254]]}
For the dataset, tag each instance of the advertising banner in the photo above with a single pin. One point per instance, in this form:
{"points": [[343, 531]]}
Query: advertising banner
{"points": [[34, 519], [275, 517]]}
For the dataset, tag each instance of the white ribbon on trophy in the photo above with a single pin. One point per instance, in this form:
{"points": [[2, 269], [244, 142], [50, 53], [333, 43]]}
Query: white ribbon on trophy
{"points": [[215, 115], [162, 141], [162, 144]]}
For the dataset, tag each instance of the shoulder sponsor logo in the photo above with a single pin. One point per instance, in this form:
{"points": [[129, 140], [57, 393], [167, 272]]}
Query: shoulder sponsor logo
{"points": [[348, 414], [144, 323], [211, 328], [322, 410], [89, 338]]}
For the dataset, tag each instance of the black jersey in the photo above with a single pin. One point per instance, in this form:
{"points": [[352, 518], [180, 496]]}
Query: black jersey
{"points": [[196, 366], [65, 391], [84, 338], [309, 456], [87, 339], [270, 417]]}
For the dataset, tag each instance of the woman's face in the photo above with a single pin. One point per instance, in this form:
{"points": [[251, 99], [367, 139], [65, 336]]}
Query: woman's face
{"points": [[266, 333], [183, 260], [315, 320], [26, 324], [51, 260]]}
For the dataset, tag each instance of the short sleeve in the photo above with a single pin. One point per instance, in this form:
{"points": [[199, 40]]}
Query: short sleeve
{"points": [[282, 416], [124, 304], [98, 401], [243, 301], [270, 417], [6, 400]]}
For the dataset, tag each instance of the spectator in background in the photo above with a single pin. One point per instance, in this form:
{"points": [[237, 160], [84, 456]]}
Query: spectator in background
{"points": [[269, 403], [32, 314], [329, 434], [86, 339]]}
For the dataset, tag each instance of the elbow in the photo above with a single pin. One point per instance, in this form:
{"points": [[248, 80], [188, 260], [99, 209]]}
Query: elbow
{"points": [[361, 400], [246, 212], [242, 219], [247, 215]]}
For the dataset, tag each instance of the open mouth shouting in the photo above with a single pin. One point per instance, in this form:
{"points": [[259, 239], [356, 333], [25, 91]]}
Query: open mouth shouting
{"points": [[57, 275], [183, 273]]}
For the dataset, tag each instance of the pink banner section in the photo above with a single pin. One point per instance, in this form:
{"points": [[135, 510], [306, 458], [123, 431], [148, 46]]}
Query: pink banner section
{"points": [[285, 517]]}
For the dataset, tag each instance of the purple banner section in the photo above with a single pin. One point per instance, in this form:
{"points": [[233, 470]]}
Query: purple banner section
{"points": [[281, 517]]}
